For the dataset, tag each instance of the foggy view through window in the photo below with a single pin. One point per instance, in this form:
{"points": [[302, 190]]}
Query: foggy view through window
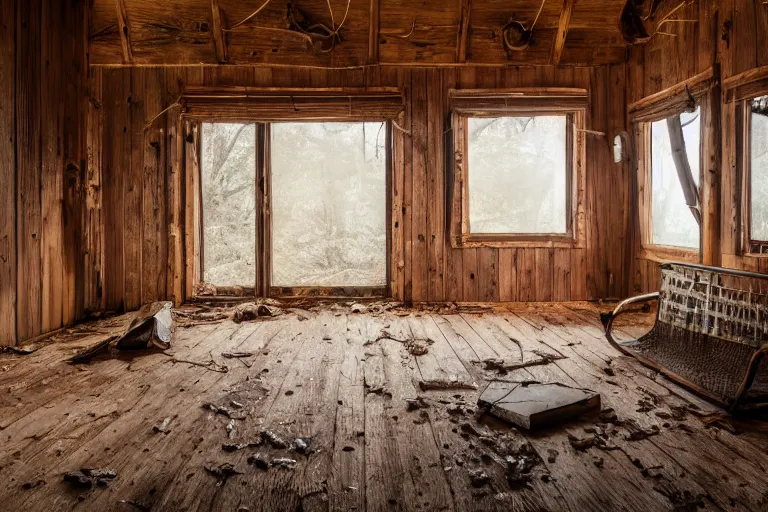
{"points": [[673, 222], [329, 204], [759, 168], [229, 204], [517, 175]]}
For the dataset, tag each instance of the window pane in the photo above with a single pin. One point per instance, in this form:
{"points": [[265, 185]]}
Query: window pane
{"points": [[329, 204], [759, 168], [229, 204], [673, 222], [517, 175]]}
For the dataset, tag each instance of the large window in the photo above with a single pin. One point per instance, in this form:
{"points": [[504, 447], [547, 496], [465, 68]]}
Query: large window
{"points": [[329, 211], [294, 208], [675, 179], [758, 170], [518, 174]]}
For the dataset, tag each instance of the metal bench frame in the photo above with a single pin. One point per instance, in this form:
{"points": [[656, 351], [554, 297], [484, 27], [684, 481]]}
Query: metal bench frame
{"points": [[760, 344]]}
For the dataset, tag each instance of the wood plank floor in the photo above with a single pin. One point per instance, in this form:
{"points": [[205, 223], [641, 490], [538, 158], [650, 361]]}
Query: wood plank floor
{"points": [[345, 382]]}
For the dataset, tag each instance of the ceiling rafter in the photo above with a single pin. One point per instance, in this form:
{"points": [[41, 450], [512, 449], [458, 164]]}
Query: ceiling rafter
{"points": [[562, 30], [125, 31], [219, 38], [461, 44]]}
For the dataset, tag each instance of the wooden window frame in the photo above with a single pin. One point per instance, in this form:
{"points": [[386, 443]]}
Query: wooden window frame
{"points": [[263, 107], [648, 249], [749, 246], [527, 102], [699, 91]]}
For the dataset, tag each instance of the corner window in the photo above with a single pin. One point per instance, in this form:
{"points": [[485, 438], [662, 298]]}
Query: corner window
{"points": [[675, 176], [758, 171], [519, 173]]}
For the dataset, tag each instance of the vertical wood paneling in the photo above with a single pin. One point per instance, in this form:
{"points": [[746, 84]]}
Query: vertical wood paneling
{"points": [[419, 277], [116, 160], [153, 208], [93, 230], [28, 178], [52, 186], [435, 186], [7, 174], [133, 190]]}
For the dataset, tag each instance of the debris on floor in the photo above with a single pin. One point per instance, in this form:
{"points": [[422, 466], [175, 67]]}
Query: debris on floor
{"points": [[283, 463], [152, 326], [446, 385], [87, 478], [254, 310], [417, 347], [273, 439], [234, 414], [503, 367], [413, 404], [478, 477], [301, 445], [535, 405], [259, 460], [162, 427], [222, 472], [22, 350], [33, 484]]}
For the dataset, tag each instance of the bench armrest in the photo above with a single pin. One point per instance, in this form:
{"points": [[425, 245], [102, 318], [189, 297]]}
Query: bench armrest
{"points": [[608, 318]]}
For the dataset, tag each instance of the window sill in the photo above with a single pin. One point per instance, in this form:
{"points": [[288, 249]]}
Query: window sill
{"points": [[514, 241], [668, 254]]}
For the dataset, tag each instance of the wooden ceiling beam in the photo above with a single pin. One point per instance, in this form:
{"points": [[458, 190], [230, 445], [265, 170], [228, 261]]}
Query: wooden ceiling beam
{"points": [[461, 43], [125, 31], [562, 30], [219, 38], [373, 33]]}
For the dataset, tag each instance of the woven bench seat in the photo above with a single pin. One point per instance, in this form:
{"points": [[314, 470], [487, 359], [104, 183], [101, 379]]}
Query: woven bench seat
{"points": [[710, 333]]}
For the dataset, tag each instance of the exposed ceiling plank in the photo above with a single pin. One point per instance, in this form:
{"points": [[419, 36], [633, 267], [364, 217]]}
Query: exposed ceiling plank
{"points": [[562, 30], [373, 33], [219, 39], [461, 44], [125, 32]]}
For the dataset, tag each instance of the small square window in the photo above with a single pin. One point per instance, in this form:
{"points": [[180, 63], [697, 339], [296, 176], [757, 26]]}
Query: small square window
{"points": [[518, 173], [673, 223], [758, 169]]}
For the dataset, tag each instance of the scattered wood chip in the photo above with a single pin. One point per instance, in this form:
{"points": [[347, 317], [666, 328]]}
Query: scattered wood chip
{"points": [[86, 478], [222, 472]]}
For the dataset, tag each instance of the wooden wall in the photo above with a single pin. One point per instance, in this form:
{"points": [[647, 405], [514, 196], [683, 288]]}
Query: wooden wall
{"points": [[140, 233], [43, 66], [734, 35]]}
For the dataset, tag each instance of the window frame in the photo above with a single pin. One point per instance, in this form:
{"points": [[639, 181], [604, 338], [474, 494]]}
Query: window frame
{"points": [[518, 103], [649, 249], [262, 288], [749, 245]]}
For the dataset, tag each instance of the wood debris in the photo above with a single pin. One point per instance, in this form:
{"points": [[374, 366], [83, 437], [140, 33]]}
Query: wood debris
{"points": [[87, 478]]}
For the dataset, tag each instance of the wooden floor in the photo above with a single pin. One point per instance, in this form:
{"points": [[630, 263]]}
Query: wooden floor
{"points": [[343, 380]]}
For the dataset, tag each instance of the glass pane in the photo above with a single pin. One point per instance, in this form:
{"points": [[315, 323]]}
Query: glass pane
{"points": [[673, 222], [517, 175], [759, 168], [329, 204], [229, 204]]}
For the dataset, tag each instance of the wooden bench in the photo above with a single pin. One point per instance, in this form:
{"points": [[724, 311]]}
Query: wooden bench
{"points": [[710, 334]]}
